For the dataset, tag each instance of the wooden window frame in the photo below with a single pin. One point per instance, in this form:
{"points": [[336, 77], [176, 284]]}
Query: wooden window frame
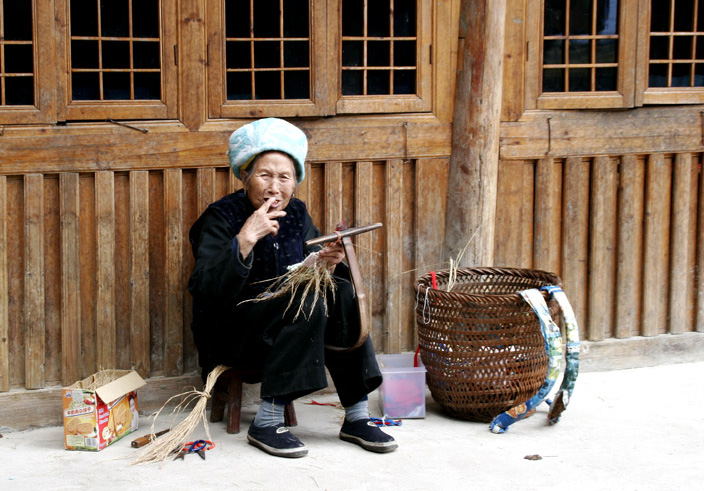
{"points": [[166, 108], [44, 108], [326, 98]]}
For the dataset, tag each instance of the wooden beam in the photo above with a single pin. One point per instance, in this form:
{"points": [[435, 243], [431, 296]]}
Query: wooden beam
{"points": [[471, 207], [105, 269], [544, 254], [70, 212], [34, 314], [363, 214], [139, 271], [4, 292], [333, 197], [393, 229], [174, 287], [192, 61]]}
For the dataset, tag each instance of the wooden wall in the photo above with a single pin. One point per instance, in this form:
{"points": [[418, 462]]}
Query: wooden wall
{"points": [[94, 265]]}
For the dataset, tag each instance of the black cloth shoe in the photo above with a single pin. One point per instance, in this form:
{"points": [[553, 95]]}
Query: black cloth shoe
{"points": [[276, 440], [367, 435]]}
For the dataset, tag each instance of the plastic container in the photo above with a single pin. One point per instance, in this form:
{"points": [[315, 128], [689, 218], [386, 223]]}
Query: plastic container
{"points": [[402, 394]]}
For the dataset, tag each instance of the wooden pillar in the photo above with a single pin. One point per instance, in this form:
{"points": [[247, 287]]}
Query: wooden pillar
{"points": [[471, 197]]}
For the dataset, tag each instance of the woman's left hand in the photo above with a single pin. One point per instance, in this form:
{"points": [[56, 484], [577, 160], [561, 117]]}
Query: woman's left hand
{"points": [[332, 254]]}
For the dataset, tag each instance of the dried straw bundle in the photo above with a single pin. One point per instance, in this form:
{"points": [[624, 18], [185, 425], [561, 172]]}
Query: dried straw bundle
{"points": [[171, 443], [311, 275]]}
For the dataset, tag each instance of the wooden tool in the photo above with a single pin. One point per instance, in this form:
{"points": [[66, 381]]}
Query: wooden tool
{"points": [[143, 440]]}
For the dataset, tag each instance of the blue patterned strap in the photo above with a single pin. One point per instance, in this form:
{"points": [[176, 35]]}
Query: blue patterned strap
{"points": [[553, 347]]}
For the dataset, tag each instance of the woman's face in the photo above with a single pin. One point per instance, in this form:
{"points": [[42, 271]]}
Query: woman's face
{"points": [[272, 179]]}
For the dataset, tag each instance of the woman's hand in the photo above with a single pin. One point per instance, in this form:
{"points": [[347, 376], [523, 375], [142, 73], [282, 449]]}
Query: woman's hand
{"points": [[261, 223], [333, 254]]}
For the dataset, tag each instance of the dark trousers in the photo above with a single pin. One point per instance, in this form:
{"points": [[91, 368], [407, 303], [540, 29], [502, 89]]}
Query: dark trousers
{"points": [[290, 355]]}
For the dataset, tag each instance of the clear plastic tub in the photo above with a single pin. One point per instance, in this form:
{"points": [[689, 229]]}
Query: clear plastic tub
{"points": [[402, 394]]}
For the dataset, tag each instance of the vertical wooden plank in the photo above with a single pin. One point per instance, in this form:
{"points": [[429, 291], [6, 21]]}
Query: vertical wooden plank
{"points": [[514, 61], [680, 261], [205, 188], [139, 271], [431, 187], [333, 196], [88, 259], [393, 263], [34, 314], [105, 269], [630, 246], [303, 189], [543, 253], [513, 246], [699, 286], [123, 299], [52, 281], [70, 210], [575, 243], [656, 240], [4, 293], [602, 245], [363, 242], [192, 55], [157, 282], [173, 236]]}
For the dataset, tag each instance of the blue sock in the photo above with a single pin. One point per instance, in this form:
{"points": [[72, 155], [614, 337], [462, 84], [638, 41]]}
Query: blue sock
{"points": [[270, 413], [357, 411]]}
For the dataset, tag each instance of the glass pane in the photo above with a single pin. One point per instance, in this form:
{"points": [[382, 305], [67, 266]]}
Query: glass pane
{"points": [[116, 86], [580, 79], [84, 17], [266, 25], [554, 17], [659, 48], [700, 18], [378, 53], [553, 80], [684, 15], [378, 82], [353, 53], [147, 86], [552, 52], [267, 54], [352, 82], [19, 58], [297, 85], [659, 15], [606, 51], [146, 24], [296, 18], [146, 55], [606, 78], [17, 20], [700, 48], [681, 75], [116, 54], [267, 85], [84, 54], [405, 53], [238, 54], [239, 86], [237, 18], [85, 86], [405, 82], [699, 75], [580, 17], [19, 91], [657, 76], [579, 51], [682, 48], [296, 54], [353, 17], [404, 18], [607, 17], [378, 18], [114, 18]]}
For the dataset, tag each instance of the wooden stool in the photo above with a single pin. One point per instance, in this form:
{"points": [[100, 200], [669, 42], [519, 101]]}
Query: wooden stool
{"points": [[227, 393]]}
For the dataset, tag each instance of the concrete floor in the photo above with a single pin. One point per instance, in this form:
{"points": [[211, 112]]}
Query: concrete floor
{"points": [[636, 429]]}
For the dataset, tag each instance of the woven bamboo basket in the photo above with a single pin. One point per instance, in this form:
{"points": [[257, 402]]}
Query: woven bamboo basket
{"points": [[481, 343]]}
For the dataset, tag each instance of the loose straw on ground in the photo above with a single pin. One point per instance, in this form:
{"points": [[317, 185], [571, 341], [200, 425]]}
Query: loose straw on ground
{"points": [[168, 445]]}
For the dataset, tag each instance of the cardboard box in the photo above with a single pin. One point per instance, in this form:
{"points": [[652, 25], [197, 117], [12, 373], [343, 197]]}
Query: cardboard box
{"points": [[402, 393], [101, 409]]}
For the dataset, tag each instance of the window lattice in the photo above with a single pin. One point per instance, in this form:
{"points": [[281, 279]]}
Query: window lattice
{"points": [[580, 45], [379, 42], [115, 51], [16, 53], [267, 49], [676, 43]]}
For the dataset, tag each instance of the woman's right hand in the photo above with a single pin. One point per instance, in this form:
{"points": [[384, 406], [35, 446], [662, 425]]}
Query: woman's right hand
{"points": [[261, 223]]}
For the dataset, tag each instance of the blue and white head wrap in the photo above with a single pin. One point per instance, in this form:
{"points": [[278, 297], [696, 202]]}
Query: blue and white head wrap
{"points": [[270, 134]]}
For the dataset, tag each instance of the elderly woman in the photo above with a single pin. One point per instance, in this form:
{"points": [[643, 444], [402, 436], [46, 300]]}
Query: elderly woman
{"points": [[243, 242]]}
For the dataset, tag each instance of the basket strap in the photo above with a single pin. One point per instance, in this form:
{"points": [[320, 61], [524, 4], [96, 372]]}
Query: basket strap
{"points": [[553, 347]]}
